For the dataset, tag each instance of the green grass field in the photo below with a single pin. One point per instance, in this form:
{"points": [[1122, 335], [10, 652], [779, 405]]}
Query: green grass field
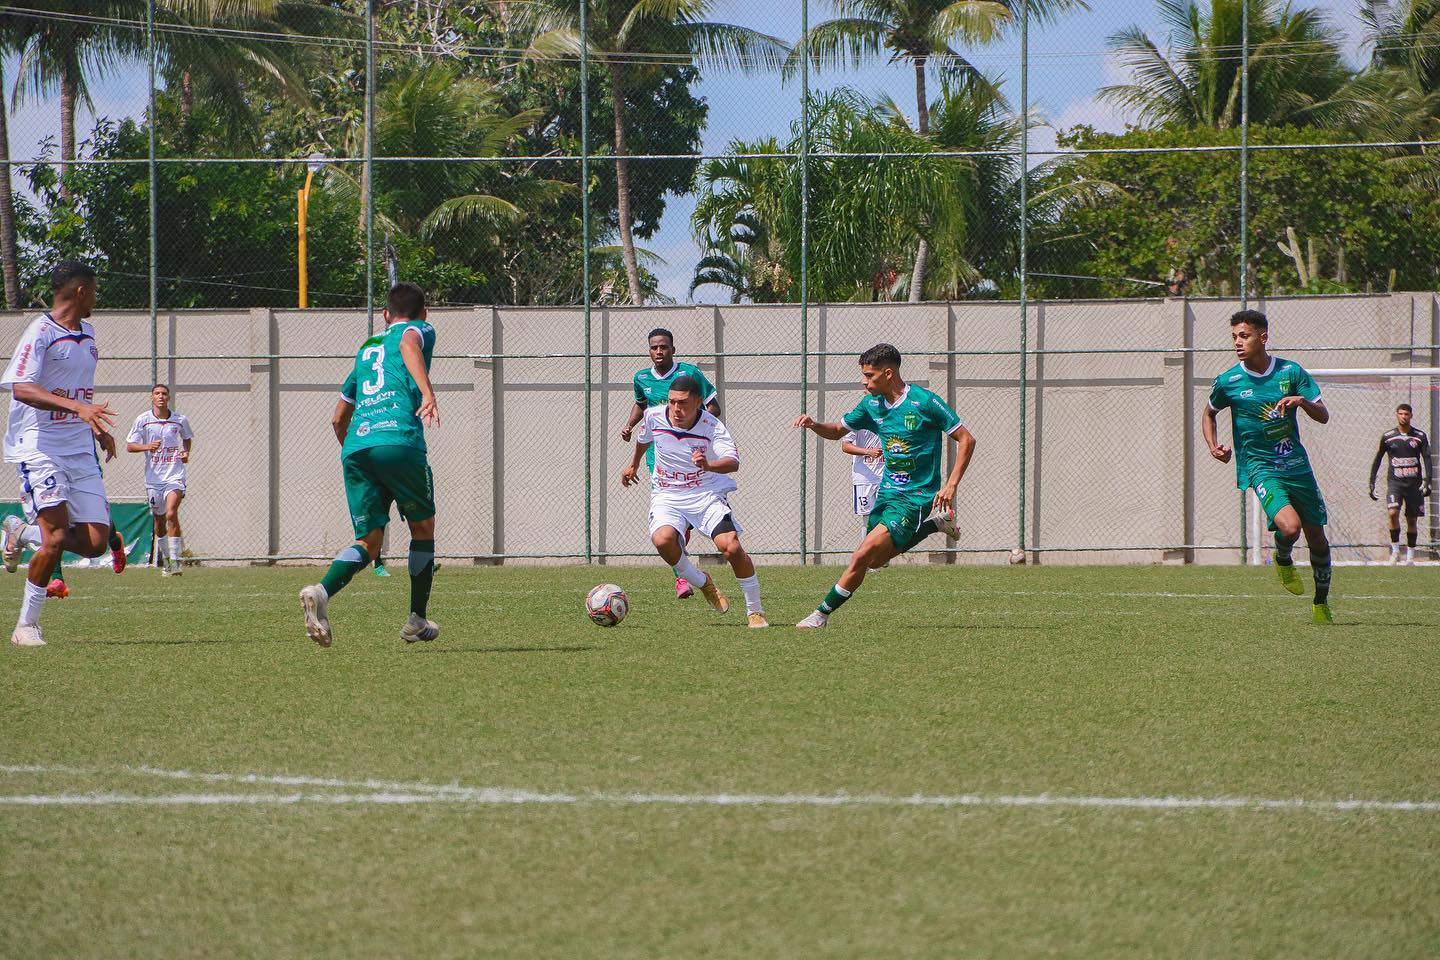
{"points": [[987, 683]]}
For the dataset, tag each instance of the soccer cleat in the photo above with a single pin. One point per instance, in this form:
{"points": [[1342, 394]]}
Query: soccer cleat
{"points": [[57, 589], [714, 597], [814, 621], [944, 521], [1290, 578], [27, 635], [10, 542], [758, 621], [1394, 556], [165, 568], [316, 604], [418, 628], [380, 570], [683, 590], [1320, 613], [117, 555]]}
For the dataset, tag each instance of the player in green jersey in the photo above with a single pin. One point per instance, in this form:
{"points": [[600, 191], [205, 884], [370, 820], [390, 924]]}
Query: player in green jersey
{"points": [[652, 389], [1264, 393], [385, 405], [912, 424]]}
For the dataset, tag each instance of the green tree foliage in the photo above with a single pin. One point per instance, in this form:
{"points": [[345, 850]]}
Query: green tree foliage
{"points": [[1171, 217]]}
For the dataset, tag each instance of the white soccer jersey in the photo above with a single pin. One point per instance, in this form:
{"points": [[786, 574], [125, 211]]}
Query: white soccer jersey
{"points": [[675, 470], [865, 471], [62, 361], [162, 466]]}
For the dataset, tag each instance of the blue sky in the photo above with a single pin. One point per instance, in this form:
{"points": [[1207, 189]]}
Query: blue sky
{"points": [[1068, 63]]}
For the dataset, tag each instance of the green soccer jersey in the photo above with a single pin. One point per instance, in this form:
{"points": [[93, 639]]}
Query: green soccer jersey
{"points": [[653, 390], [912, 433], [1267, 442], [383, 393]]}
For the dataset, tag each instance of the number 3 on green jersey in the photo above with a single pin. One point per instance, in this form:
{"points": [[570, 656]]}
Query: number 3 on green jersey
{"points": [[383, 393]]}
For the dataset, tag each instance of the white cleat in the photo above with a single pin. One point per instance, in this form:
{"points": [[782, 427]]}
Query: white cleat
{"points": [[418, 628], [316, 604], [1395, 557], [945, 523], [165, 571], [814, 621], [27, 635], [10, 542]]}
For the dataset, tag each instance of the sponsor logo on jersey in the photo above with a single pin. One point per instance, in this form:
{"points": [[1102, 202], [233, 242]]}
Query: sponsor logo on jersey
{"points": [[24, 359], [362, 430], [1246, 393], [898, 478], [94, 353], [1233, 377], [897, 445]]}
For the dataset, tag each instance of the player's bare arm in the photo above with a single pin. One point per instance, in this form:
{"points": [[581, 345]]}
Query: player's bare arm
{"points": [[857, 451], [713, 407], [1316, 409], [99, 415], [829, 431], [945, 499], [414, 357], [1210, 431], [340, 419], [723, 465], [627, 431], [150, 447], [630, 475], [185, 453]]}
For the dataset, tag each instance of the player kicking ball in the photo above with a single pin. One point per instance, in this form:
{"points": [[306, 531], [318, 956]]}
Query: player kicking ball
{"points": [[53, 429], [912, 424], [1263, 393], [385, 405], [694, 457], [165, 437]]}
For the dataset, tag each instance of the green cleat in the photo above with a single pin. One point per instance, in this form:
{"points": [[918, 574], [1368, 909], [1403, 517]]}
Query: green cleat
{"points": [[380, 570], [1290, 578], [1320, 613]]}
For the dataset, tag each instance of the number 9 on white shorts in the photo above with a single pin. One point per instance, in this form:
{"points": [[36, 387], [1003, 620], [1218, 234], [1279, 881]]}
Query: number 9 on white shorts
{"points": [[702, 510]]}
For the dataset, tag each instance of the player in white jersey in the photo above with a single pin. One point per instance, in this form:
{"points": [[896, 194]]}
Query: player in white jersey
{"points": [[54, 426], [868, 460], [695, 457], [164, 436]]}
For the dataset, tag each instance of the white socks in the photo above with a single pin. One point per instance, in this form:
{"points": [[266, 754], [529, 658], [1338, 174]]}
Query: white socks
{"points": [[30, 606], [751, 587], [686, 568], [174, 549]]}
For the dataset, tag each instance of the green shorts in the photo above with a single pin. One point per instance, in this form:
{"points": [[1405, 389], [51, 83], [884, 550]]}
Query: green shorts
{"points": [[904, 518], [1302, 493], [376, 477]]}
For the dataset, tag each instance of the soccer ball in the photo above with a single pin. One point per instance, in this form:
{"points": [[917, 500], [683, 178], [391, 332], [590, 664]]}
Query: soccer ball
{"points": [[607, 604], [1017, 557]]}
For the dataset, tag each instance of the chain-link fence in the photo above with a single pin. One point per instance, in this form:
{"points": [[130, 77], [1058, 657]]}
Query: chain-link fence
{"points": [[1002, 190]]}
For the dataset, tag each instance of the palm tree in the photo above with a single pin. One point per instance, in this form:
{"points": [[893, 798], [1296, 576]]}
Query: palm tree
{"points": [[740, 202], [1405, 34], [1297, 73], [9, 251], [924, 32], [622, 35]]}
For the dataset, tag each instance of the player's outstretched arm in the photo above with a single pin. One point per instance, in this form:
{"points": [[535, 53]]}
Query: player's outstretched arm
{"points": [[340, 420], [631, 474], [1210, 432], [99, 415], [830, 431], [414, 357], [945, 499]]}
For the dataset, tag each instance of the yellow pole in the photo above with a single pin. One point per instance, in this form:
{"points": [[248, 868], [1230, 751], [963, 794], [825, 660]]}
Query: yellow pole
{"points": [[304, 204]]}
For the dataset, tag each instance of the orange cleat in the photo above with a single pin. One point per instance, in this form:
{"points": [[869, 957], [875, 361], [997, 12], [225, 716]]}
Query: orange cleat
{"points": [[117, 556], [57, 589]]}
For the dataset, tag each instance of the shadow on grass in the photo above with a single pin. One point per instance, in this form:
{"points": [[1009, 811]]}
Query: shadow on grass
{"points": [[175, 643], [536, 649]]}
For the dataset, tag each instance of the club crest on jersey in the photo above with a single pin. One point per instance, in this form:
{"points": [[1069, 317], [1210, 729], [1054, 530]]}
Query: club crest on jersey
{"points": [[912, 421]]}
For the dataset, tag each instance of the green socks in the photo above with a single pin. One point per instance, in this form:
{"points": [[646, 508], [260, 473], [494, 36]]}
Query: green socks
{"points": [[1283, 548], [834, 599], [422, 574], [346, 564], [1320, 566]]}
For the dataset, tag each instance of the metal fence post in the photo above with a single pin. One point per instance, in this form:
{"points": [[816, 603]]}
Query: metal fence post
{"points": [[154, 202], [804, 273], [585, 254], [1024, 248], [1244, 221], [369, 198]]}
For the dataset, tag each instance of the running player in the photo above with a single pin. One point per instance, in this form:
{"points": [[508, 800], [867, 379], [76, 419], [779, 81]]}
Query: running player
{"points": [[694, 459], [652, 389], [912, 424], [54, 426], [1263, 393], [164, 436], [380, 419], [1408, 484]]}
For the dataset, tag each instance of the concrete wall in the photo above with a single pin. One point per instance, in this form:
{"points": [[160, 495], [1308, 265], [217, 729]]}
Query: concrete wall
{"points": [[1113, 456]]}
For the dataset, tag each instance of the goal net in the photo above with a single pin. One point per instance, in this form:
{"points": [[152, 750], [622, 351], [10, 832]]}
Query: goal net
{"points": [[1362, 404]]}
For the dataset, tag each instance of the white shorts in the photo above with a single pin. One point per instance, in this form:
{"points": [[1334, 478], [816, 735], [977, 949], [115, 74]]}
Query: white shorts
{"points": [[702, 510], [865, 498], [158, 495], [72, 479]]}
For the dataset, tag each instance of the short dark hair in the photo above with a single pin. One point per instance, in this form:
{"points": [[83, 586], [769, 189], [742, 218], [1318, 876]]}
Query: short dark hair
{"points": [[1255, 318], [880, 355], [1406, 407], [405, 300], [67, 272], [686, 384], [660, 332], [158, 386]]}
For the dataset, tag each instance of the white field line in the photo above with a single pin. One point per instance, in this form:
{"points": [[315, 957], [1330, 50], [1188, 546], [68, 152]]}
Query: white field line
{"points": [[393, 793]]}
